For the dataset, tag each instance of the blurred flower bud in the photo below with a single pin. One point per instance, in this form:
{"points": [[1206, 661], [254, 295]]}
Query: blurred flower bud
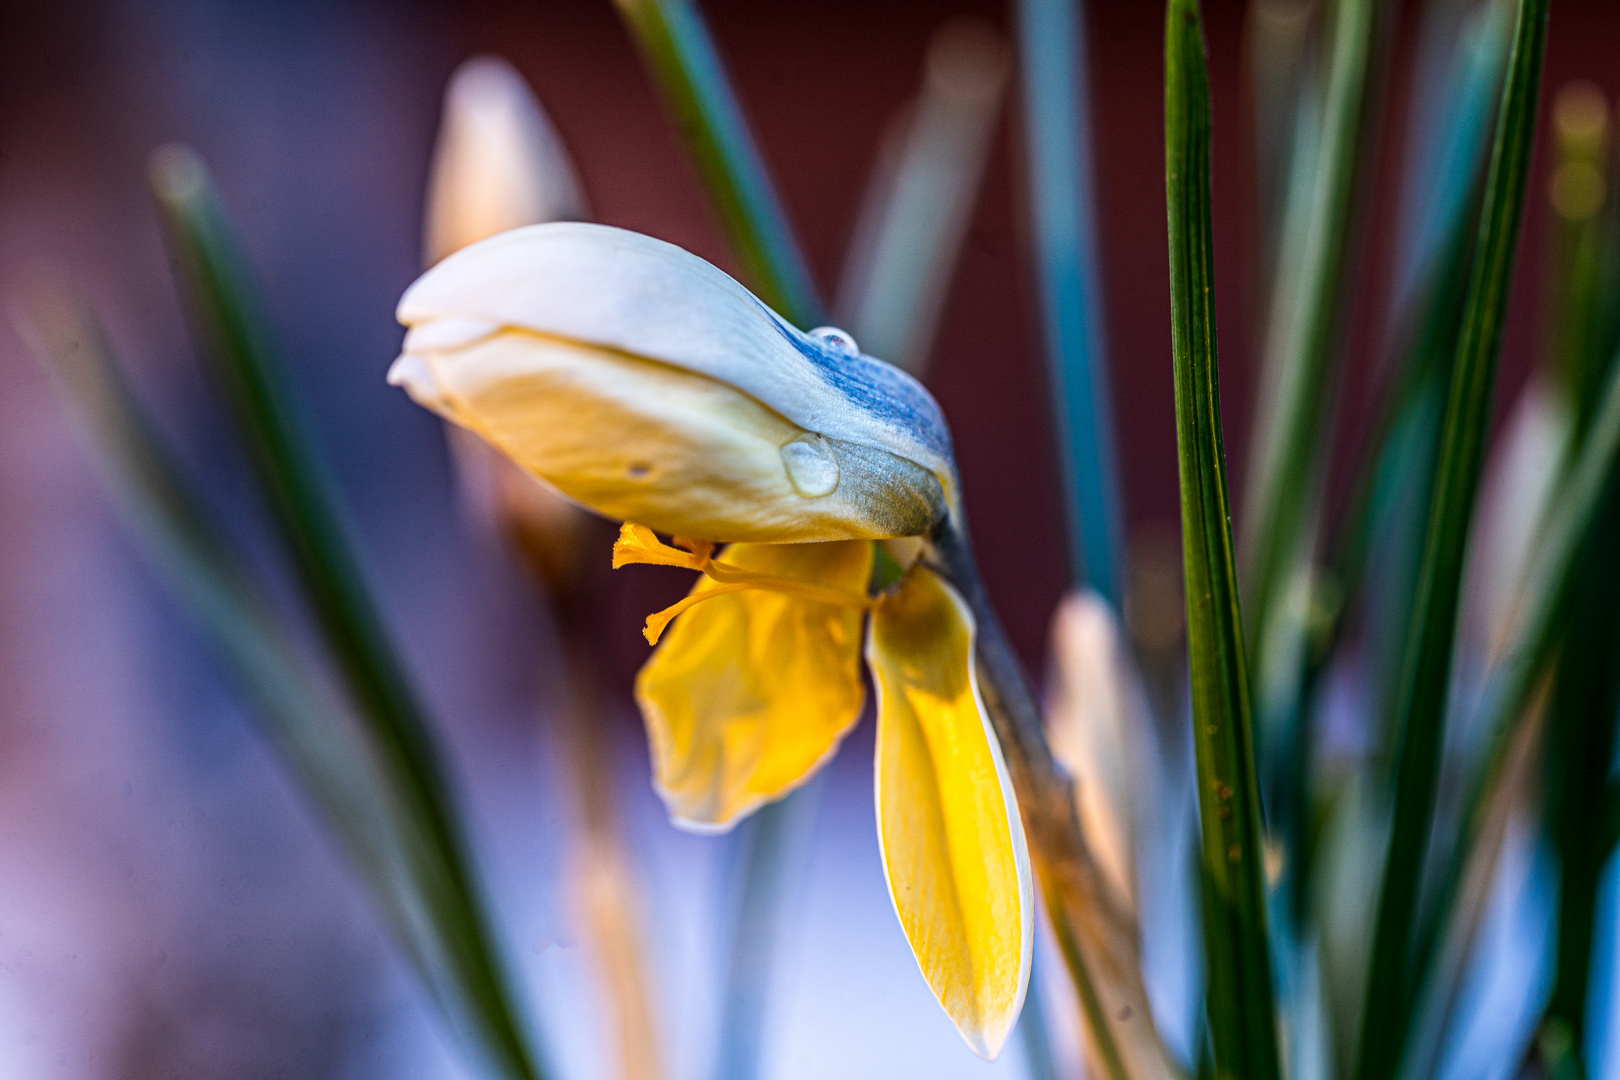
{"points": [[499, 165], [1094, 702]]}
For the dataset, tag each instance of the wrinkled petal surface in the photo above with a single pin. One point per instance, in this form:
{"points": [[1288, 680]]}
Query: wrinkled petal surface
{"points": [[953, 844], [750, 692], [609, 287], [647, 442]]}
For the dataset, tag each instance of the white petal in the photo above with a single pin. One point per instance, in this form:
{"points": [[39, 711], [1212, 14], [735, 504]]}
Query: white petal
{"points": [[678, 452], [609, 287]]}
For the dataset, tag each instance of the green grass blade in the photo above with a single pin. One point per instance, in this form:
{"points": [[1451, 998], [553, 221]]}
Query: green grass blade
{"points": [[313, 733], [921, 196], [1419, 708], [1239, 995], [1586, 689], [1583, 245], [195, 557], [1292, 438], [1440, 210], [308, 522], [1609, 821], [1290, 449], [1057, 123], [1557, 577], [681, 56], [1580, 751]]}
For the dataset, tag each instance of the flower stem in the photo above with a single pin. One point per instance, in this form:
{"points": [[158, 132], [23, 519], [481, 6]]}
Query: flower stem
{"points": [[1095, 930]]}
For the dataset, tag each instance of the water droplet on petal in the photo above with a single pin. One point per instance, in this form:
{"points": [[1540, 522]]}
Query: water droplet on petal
{"points": [[811, 466], [836, 340]]}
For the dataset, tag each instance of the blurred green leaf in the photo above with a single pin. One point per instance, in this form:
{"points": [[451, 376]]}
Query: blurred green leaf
{"points": [[1291, 446], [305, 513], [1585, 695], [1609, 820], [1238, 999], [217, 586], [920, 197], [681, 56], [1419, 708], [1292, 437], [1558, 576], [1562, 577], [1057, 131]]}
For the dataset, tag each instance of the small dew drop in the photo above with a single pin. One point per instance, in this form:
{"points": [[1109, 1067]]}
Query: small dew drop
{"points": [[836, 340], [811, 466], [639, 470]]}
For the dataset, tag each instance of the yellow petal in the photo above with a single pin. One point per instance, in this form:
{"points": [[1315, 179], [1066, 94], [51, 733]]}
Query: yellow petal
{"points": [[751, 691], [952, 842]]}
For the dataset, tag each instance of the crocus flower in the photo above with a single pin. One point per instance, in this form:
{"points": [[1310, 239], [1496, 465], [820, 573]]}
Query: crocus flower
{"points": [[649, 386]]}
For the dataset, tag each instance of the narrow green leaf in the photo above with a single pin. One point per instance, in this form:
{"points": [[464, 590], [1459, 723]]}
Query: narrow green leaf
{"points": [[1440, 210], [1290, 448], [1241, 1012], [1580, 751], [1585, 696], [1057, 130], [320, 741], [1419, 708], [1583, 245], [1555, 577], [681, 56], [920, 197], [1558, 577], [1609, 820], [308, 522], [1292, 437]]}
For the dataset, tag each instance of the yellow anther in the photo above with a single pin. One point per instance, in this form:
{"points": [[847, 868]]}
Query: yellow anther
{"points": [[638, 544]]}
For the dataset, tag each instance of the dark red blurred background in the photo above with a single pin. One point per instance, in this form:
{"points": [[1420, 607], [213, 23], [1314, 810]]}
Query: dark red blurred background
{"points": [[819, 81]]}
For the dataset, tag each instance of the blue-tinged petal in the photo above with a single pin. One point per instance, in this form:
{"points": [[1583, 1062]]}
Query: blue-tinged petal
{"points": [[619, 290]]}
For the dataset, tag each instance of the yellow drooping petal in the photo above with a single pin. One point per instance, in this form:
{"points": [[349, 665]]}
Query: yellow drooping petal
{"points": [[638, 544], [752, 690], [953, 844]]}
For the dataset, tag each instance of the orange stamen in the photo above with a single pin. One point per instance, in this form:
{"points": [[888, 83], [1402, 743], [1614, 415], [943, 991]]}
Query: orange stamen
{"points": [[638, 544]]}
